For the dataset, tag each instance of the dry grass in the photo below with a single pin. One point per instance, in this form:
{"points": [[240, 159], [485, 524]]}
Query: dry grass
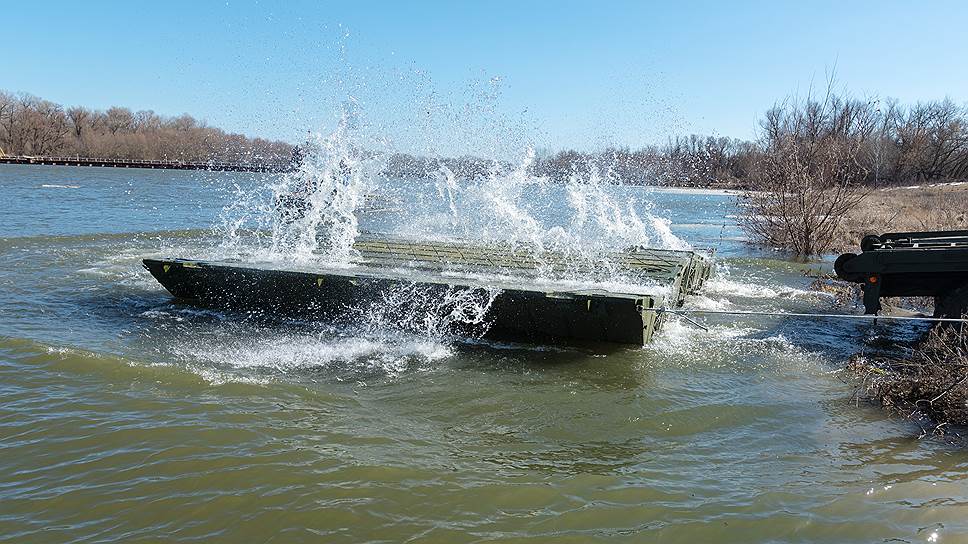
{"points": [[903, 209]]}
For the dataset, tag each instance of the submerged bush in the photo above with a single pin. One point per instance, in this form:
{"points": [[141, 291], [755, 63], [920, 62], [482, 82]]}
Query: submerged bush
{"points": [[929, 382]]}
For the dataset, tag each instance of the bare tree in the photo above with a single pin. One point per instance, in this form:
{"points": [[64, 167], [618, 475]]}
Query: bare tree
{"points": [[809, 175], [7, 105], [78, 117], [119, 120], [147, 121]]}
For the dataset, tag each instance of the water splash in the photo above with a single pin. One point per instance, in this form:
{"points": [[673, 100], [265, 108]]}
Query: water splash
{"points": [[316, 205], [310, 214], [428, 311], [261, 357], [579, 221], [587, 214]]}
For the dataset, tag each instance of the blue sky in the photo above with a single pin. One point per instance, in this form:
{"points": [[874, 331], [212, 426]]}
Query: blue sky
{"points": [[481, 77]]}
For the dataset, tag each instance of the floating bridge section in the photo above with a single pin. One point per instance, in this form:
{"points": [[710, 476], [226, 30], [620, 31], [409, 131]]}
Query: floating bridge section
{"points": [[575, 306]]}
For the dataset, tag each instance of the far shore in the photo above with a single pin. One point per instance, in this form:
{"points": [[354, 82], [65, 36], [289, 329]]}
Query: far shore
{"points": [[697, 190]]}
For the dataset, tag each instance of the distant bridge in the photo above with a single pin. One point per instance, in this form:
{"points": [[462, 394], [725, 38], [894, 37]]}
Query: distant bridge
{"points": [[154, 164]]}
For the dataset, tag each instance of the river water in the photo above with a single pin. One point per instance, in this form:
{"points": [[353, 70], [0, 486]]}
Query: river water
{"points": [[128, 417]]}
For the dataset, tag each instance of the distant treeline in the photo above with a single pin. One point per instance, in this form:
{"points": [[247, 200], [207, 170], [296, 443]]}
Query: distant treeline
{"points": [[875, 143], [885, 142], [33, 126], [881, 143]]}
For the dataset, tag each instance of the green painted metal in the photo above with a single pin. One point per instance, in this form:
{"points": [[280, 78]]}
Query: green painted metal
{"points": [[526, 306], [907, 264]]}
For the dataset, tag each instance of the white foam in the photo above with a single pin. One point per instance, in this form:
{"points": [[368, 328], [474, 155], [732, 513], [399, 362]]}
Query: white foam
{"points": [[705, 302], [681, 344], [287, 352], [746, 289], [677, 335]]}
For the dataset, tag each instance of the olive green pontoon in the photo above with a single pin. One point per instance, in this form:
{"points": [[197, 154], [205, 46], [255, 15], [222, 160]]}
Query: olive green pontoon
{"points": [[527, 306]]}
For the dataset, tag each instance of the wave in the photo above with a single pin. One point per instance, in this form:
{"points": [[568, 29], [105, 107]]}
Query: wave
{"points": [[285, 352], [681, 344], [752, 290], [73, 358], [194, 365]]}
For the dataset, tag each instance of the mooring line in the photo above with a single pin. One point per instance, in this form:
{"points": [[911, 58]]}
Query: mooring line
{"points": [[682, 313], [686, 318]]}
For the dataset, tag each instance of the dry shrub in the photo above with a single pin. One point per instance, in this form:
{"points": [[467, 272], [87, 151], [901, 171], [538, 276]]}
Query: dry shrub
{"points": [[809, 175], [844, 293]]}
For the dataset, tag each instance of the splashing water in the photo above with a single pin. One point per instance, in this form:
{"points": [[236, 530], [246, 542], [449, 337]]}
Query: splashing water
{"points": [[314, 214], [331, 181], [583, 218], [584, 215], [310, 214], [430, 311], [580, 221]]}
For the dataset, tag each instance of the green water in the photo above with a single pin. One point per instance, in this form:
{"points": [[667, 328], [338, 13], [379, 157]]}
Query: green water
{"points": [[128, 417]]}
